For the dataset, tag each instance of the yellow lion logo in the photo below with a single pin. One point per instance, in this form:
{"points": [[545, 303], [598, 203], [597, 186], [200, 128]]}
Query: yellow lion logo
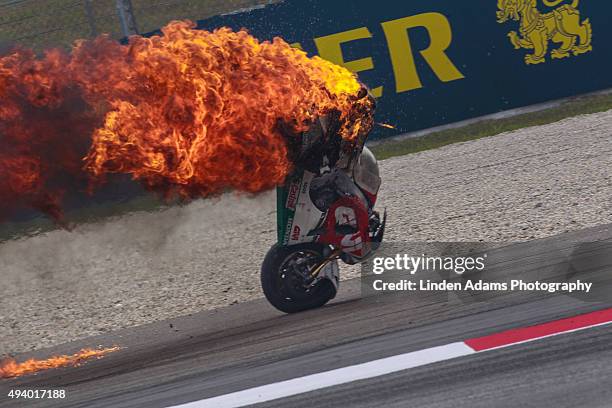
{"points": [[537, 29]]}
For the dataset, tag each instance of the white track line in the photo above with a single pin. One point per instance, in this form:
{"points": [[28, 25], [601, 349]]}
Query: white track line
{"points": [[331, 378], [405, 361]]}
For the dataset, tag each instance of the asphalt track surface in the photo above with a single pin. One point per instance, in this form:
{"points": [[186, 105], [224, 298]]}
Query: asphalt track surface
{"points": [[249, 345]]}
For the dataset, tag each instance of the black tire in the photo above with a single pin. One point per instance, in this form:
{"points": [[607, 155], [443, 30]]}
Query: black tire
{"points": [[274, 285]]}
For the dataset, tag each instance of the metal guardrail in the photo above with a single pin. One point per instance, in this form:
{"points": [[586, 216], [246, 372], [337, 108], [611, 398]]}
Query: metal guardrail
{"points": [[42, 24]]}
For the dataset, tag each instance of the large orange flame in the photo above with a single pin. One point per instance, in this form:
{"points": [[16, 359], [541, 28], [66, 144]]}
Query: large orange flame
{"points": [[10, 368], [191, 112]]}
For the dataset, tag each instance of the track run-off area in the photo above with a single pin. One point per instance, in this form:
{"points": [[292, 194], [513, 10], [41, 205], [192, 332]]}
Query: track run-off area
{"points": [[148, 267], [362, 351]]}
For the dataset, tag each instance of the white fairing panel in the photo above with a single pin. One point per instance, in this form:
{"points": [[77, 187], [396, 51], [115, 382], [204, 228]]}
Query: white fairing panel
{"points": [[332, 272], [307, 216]]}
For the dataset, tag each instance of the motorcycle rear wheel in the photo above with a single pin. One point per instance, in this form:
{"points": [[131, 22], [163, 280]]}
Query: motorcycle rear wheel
{"points": [[284, 286]]}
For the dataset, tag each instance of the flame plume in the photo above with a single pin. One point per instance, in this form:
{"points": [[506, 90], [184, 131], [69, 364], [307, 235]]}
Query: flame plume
{"points": [[44, 128], [11, 369], [192, 113]]}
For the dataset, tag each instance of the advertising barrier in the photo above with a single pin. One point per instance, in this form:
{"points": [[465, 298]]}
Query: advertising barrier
{"points": [[436, 62]]}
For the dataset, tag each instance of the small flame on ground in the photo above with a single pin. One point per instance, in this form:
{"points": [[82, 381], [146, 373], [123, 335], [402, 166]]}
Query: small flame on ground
{"points": [[11, 368]]}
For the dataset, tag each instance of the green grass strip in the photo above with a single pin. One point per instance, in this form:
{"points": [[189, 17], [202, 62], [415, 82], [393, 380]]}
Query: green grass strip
{"points": [[485, 128]]}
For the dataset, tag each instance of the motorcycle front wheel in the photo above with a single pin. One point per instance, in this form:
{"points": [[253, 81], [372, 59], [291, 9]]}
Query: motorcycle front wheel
{"points": [[284, 278]]}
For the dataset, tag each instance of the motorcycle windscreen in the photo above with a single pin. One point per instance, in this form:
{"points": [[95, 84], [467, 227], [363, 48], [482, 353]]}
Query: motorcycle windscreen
{"points": [[366, 173]]}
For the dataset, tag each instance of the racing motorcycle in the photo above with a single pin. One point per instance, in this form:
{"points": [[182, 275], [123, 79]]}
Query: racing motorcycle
{"points": [[316, 226]]}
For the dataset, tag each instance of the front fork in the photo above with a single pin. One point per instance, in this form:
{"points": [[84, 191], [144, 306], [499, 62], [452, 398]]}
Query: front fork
{"points": [[335, 254], [327, 269]]}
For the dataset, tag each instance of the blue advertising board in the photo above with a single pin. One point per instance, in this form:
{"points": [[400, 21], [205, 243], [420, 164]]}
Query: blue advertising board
{"points": [[433, 62]]}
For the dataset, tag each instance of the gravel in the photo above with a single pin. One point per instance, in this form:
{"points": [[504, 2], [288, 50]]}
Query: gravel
{"points": [[144, 267]]}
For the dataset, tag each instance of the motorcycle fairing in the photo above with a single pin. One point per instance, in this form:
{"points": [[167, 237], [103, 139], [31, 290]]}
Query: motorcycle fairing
{"points": [[297, 215]]}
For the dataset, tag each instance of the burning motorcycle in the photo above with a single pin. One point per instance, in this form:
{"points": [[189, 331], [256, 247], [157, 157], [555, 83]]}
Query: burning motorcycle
{"points": [[325, 213]]}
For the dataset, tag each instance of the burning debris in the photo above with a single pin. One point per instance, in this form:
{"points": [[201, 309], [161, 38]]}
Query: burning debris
{"points": [[11, 369], [191, 113]]}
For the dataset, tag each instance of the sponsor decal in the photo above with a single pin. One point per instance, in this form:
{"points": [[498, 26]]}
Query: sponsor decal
{"points": [[292, 196], [295, 236], [288, 230]]}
